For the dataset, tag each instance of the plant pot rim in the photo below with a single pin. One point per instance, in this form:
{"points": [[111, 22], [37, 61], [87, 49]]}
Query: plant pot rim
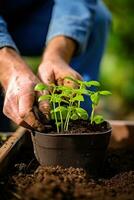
{"points": [[76, 134]]}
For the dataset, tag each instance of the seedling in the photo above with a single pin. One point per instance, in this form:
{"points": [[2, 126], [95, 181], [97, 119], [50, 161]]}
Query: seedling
{"points": [[65, 102]]}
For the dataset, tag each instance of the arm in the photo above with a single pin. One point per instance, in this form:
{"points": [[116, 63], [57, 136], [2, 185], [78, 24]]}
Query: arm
{"points": [[68, 34], [18, 82], [72, 19], [55, 62], [5, 38]]}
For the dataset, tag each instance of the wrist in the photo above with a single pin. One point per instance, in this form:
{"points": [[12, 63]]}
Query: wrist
{"points": [[61, 48], [11, 64]]}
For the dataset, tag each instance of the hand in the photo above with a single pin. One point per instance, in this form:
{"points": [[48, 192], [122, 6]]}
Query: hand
{"points": [[54, 71], [54, 66], [19, 91]]}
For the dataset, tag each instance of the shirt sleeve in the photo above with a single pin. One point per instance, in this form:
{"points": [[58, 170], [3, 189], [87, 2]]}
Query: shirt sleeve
{"points": [[74, 19], [5, 38]]}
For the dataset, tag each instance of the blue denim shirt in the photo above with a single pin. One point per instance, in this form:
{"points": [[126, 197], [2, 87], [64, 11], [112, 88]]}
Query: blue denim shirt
{"points": [[71, 18]]}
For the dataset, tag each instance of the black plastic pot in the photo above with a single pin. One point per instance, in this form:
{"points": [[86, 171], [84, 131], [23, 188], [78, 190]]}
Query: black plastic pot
{"points": [[83, 150]]}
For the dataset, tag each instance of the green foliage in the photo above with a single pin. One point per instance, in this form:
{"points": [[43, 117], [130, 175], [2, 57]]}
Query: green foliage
{"points": [[41, 87], [117, 68], [122, 35], [65, 102]]}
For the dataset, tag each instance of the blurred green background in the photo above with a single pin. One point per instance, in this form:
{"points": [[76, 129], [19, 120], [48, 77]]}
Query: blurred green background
{"points": [[117, 67]]}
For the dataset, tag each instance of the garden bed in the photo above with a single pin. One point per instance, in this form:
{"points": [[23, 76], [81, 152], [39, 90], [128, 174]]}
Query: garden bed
{"points": [[10, 148], [27, 180]]}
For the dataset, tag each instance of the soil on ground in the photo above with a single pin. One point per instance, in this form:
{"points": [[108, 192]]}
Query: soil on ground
{"points": [[29, 181]]}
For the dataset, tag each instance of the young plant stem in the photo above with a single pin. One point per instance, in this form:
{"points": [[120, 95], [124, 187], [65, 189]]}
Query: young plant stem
{"points": [[61, 118], [92, 114], [55, 116], [79, 101], [68, 117], [72, 99], [67, 121]]}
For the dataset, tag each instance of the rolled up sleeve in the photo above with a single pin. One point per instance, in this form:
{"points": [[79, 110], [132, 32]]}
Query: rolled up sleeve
{"points": [[72, 19], [5, 38]]}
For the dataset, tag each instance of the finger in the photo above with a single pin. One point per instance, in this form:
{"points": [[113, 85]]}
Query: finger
{"points": [[46, 76], [25, 103], [59, 81], [10, 108], [44, 108], [70, 83], [12, 113], [79, 77], [33, 122]]}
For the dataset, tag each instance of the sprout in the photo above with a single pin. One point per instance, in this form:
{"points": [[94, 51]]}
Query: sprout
{"points": [[65, 102]]}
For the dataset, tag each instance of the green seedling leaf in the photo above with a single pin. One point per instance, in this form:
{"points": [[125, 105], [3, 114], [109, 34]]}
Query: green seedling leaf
{"points": [[81, 91], [78, 98], [41, 87], [92, 83], [44, 97], [95, 98], [67, 93], [98, 119], [61, 88], [55, 98], [65, 102], [105, 92], [61, 109], [64, 113], [74, 116], [53, 115], [82, 113]]}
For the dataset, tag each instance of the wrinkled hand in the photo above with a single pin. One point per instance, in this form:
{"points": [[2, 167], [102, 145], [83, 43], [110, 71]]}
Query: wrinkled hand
{"points": [[19, 100], [18, 82], [54, 71]]}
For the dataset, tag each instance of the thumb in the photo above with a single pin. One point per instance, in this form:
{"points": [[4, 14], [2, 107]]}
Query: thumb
{"points": [[26, 111]]}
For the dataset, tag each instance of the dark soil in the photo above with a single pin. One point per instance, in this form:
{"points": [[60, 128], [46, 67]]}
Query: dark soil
{"points": [[29, 181], [80, 126]]}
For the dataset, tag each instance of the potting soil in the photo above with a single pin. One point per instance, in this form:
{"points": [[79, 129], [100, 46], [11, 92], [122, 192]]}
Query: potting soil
{"points": [[80, 126], [29, 181]]}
